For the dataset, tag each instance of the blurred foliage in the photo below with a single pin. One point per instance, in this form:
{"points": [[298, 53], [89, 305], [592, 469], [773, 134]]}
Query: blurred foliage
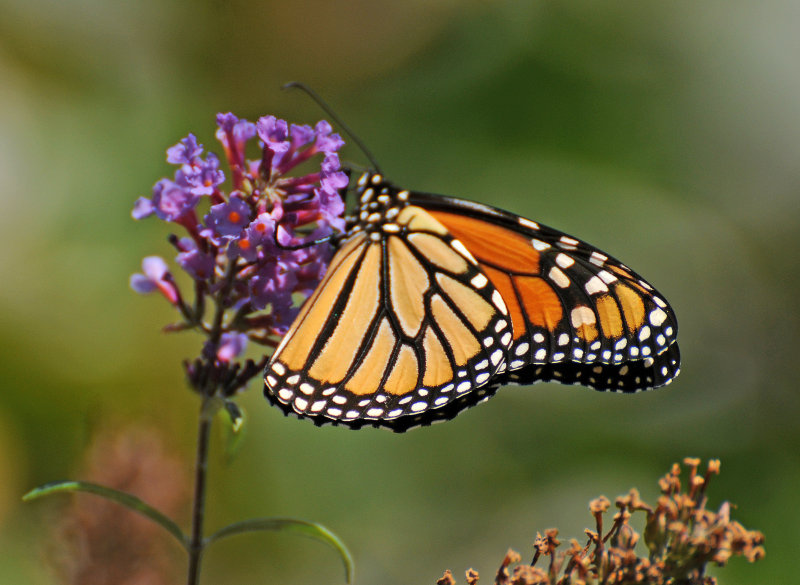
{"points": [[664, 133], [96, 540]]}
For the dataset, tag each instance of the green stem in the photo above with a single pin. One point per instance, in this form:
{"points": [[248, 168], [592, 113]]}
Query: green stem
{"points": [[208, 408], [196, 544], [216, 327]]}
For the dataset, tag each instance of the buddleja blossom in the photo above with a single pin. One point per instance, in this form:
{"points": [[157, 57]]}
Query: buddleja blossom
{"points": [[249, 234]]}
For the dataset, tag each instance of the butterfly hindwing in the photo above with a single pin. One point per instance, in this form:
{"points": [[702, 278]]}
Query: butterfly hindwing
{"points": [[404, 323], [662, 369], [630, 376]]}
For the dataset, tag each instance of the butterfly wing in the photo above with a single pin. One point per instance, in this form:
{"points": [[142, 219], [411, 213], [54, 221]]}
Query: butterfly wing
{"points": [[578, 315], [403, 323]]}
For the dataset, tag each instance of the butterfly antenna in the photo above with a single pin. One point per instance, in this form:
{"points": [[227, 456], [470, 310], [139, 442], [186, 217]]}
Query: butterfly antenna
{"points": [[328, 110]]}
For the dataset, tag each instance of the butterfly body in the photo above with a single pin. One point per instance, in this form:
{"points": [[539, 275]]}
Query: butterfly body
{"points": [[431, 303]]}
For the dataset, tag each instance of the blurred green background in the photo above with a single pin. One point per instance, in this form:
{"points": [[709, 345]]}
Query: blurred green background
{"points": [[666, 133]]}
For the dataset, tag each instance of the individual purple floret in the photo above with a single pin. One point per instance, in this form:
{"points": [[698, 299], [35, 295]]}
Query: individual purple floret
{"points": [[205, 176], [326, 141], [252, 245], [156, 277], [198, 264], [234, 131], [186, 152], [142, 208], [273, 133], [172, 201], [228, 219]]}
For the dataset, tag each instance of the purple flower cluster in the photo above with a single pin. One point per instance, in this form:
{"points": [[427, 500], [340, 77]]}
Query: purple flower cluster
{"points": [[248, 248]]}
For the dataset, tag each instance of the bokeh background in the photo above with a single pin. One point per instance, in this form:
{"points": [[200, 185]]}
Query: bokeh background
{"points": [[666, 133]]}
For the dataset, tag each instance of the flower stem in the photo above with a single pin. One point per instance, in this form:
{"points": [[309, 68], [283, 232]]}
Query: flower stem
{"points": [[198, 507]]}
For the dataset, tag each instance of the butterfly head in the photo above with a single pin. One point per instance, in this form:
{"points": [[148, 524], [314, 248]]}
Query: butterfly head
{"points": [[378, 203]]}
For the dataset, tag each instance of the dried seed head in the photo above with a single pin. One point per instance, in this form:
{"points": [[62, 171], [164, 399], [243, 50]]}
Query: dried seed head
{"points": [[599, 505]]}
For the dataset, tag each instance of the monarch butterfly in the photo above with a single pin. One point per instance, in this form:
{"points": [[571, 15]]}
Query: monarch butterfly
{"points": [[431, 303]]}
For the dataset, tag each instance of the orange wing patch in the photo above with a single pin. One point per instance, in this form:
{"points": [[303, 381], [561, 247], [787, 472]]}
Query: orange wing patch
{"points": [[370, 372], [610, 317], [542, 303], [437, 366], [632, 306], [485, 240], [408, 282], [405, 373]]}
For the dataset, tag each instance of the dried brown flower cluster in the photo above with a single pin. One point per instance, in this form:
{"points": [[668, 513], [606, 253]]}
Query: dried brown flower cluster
{"points": [[680, 534], [98, 541]]}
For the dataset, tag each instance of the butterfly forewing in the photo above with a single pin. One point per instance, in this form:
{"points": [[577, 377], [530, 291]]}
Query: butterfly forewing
{"points": [[577, 313], [403, 323]]}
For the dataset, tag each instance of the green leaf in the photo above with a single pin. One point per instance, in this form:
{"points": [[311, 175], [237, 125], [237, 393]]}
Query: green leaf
{"points": [[232, 429], [309, 529], [129, 501]]}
